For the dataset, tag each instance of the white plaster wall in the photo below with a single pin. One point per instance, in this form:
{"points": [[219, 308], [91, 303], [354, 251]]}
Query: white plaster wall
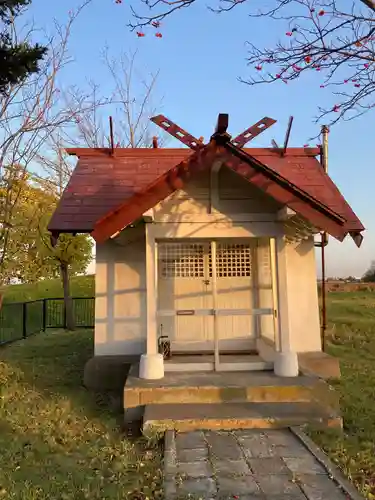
{"points": [[302, 293], [120, 306]]}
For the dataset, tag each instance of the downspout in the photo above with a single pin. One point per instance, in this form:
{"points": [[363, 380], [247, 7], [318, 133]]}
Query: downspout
{"points": [[324, 238]]}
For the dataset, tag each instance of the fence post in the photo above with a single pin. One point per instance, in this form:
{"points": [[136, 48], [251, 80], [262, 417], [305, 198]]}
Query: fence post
{"points": [[65, 318], [44, 315], [24, 320]]}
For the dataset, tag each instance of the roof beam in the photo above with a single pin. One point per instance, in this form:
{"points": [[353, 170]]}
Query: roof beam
{"points": [[250, 133], [177, 132]]}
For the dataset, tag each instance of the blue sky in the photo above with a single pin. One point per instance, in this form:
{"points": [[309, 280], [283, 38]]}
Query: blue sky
{"points": [[200, 57]]}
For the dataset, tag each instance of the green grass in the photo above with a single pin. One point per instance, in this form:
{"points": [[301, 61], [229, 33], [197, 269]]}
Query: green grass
{"points": [[57, 440], [12, 311], [81, 286], [351, 337]]}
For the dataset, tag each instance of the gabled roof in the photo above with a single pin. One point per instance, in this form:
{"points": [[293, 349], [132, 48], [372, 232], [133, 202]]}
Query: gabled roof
{"points": [[108, 192]]}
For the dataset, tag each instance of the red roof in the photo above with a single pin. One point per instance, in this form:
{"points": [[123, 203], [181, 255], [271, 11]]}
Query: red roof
{"points": [[106, 193]]}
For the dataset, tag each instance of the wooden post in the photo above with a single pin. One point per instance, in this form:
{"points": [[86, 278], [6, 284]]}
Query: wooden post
{"points": [[44, 315], [151, 292], [214, 305], [275, 304], [281, 279], [286, 361]]}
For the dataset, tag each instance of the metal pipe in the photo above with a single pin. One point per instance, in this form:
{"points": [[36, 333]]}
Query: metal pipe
{"points": [[324, 240], [324, 308], [111, 137]]}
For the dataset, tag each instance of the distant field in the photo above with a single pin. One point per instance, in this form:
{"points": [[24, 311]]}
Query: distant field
{"points": [[81, 286], [351, 337]]}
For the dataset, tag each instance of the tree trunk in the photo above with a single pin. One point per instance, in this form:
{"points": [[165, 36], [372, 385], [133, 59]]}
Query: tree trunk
{"points": [[68, 302]]}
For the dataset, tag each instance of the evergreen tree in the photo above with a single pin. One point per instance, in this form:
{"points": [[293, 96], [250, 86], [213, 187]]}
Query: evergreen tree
{"points": [[17, 60]]}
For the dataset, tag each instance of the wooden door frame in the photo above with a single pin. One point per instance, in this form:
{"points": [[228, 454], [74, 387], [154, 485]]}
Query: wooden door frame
{"points": [[215, 312]]}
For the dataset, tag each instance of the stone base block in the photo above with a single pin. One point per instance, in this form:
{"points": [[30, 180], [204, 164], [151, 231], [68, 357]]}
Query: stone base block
{"points": [[107, 373], [286, 364], [151, 366]]}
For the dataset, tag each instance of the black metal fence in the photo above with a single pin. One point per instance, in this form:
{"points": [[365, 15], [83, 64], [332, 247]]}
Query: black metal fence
{"points": [[19, 320]]}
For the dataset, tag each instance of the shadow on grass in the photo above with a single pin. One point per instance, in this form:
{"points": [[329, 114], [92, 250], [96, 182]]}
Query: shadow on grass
{"points": [[58, 440], [53, 363]]}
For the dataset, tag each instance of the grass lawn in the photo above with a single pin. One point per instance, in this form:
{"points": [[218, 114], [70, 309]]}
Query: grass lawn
{"points": [[57, 440], [81, 286], [352, 339]]}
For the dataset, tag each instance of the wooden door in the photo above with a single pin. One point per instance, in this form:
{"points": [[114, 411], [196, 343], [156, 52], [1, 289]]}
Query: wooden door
{"points": [[235, 321], [185, 295]]}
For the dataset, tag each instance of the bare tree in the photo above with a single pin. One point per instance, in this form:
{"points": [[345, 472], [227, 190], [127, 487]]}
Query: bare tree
{"points": [[30, 111], [335, 40], [131, 103]]}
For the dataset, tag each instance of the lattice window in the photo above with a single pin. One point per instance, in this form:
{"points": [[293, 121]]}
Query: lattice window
{"points": [[181, 260], [233, 260]]}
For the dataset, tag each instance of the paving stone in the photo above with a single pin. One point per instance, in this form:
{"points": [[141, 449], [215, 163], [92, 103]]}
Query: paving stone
{"points": [[195, 455], [251, 496], [190, 440], [296, 450], [223, 446], [308, 465], [261, 466], [242, 485], [170, 489], [170, 462], [231, 467], [203, 486], [281, 437], [320, 487], [257, 450], [287, 496], [274, 484], [195, 469]]}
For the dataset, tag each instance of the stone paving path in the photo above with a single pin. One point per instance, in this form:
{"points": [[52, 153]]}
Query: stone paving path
{"points": [[244, 465]]}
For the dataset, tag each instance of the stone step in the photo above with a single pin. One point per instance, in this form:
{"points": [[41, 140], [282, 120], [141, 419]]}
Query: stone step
{"points": [[230, 387], [187, 417]]}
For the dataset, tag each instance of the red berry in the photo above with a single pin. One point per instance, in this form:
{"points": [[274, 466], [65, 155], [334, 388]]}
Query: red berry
{"points": [[155, 24], [318, 68], [258, 68], [305, 145], [336, 108], [366, 65], [158, 35], [307, 59], [321, 13], [322, 86], [278, 76], [357, 85], [312, 9], [140, 34], [345, 81], [118, 1], [289, 33]]}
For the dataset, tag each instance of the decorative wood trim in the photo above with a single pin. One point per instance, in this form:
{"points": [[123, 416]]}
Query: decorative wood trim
{"points": [[215, 217]]}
